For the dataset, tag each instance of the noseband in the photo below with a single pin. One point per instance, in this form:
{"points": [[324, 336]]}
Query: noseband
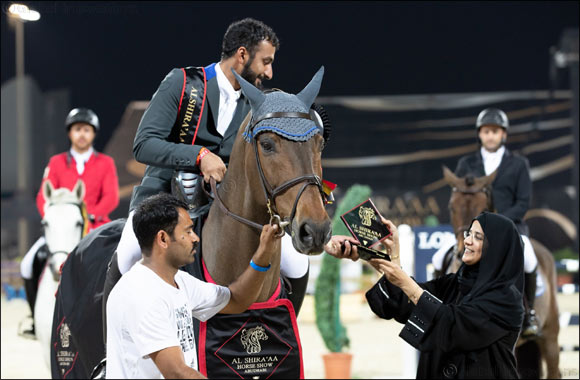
{"points": [[271, 193], [85, 226]]}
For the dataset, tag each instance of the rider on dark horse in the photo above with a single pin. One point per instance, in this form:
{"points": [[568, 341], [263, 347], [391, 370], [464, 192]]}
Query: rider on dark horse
{"points": [[511, 192], [81, 162]]}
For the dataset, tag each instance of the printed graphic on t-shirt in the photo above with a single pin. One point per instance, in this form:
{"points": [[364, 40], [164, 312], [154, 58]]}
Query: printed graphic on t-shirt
{"points": [[184, 328]]}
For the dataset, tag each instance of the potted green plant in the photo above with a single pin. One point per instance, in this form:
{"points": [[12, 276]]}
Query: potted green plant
{"points": [[327, 294]]}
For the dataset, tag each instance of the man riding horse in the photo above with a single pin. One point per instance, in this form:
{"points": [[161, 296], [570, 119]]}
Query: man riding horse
{"points": [[189, 129], [511, 191]]}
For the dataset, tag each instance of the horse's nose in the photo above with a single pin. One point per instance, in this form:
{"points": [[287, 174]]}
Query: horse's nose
{"points": [[313, 236]]}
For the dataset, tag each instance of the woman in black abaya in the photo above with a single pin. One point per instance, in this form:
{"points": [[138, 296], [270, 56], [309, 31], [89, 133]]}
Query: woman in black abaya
{"points": [[466, 324]]}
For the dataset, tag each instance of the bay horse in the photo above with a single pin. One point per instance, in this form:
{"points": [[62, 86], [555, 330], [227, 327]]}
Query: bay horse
{"points": [[65, 222], [274, 176], [469, 197]]}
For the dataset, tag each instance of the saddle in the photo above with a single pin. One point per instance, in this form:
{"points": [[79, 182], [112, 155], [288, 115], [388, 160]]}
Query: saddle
{"points": [[189, 188]]}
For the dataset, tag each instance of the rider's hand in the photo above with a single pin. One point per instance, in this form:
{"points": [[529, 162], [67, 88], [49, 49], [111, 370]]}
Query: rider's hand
{"points": [[211, 165], [269, 244], [342, 247]]}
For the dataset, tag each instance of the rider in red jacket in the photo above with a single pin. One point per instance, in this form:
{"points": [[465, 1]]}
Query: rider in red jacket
{"points": [[99, 176], [96, 170]]}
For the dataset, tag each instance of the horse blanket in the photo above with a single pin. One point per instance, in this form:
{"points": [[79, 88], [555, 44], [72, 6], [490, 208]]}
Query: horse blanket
{"points": [[78, 309]]}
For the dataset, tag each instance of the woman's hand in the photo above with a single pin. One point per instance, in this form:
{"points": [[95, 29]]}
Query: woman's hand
{"points": [[392, 272], [397, 277], [334, 247], [391, 243]]}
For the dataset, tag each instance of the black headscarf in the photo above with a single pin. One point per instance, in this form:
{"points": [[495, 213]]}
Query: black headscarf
{"points": [[497, 289]]}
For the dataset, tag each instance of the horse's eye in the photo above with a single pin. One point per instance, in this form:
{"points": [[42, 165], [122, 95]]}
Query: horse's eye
{"points": [[267, 145]]}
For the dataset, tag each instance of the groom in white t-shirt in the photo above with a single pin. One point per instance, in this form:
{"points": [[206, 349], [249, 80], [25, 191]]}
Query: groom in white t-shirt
{"points": [[150, 310]]}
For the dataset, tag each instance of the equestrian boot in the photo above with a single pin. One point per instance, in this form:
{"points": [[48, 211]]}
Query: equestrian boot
{"points": [[31, 288], [531, 327], [297, 290]]}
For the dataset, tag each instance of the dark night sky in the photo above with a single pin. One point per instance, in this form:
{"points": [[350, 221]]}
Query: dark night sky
{"points": [[110, 53]]}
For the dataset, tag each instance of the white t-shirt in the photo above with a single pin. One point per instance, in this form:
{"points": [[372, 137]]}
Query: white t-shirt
{"points": [[145, 314]]}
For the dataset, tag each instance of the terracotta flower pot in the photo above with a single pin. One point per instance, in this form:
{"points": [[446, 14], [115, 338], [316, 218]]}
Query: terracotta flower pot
{"points": [[337, 365]]}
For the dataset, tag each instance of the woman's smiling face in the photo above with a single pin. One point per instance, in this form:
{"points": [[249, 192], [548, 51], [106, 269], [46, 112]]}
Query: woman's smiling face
{"points": [[473, 244]]}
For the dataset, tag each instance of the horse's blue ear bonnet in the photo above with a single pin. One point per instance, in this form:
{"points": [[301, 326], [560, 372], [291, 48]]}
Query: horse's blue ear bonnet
{"points": [[292, 128]]}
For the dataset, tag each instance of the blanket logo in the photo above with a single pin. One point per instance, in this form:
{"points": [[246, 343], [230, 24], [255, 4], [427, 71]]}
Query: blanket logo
{"points": [[366, 214], [251, 339], [65, 335]]}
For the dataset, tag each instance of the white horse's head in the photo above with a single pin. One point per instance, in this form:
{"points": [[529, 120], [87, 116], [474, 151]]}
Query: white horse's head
{"points": [[64, 222]]}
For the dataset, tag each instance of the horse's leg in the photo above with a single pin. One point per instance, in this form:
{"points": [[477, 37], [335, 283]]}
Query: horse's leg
{"points": [[551, 324], [44, 311], [550, 350]]}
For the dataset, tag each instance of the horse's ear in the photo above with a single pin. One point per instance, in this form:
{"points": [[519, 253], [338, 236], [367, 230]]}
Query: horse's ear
{"points": [[47, 189], [311, 90], [255, 96], [79, 190], [450, 177]]}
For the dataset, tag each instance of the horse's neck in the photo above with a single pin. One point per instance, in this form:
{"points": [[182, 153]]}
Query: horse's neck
{"points": [[228, 245]]}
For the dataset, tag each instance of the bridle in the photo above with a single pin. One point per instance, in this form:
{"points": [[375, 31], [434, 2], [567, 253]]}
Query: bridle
{"points": [[84, 230], [485, 189], [271, 193]]}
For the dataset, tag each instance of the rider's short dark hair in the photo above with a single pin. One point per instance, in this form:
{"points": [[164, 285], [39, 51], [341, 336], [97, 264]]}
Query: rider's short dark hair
{"points": [[247, 33], [156, 213]]}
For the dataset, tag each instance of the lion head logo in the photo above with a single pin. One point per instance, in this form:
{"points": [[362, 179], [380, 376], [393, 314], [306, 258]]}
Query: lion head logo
{"points": [[251, 339], [366, 214], [65, 335]]}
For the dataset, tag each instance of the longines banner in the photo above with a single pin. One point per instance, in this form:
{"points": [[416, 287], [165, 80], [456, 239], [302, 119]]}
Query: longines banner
{"points": [[427, 241]]}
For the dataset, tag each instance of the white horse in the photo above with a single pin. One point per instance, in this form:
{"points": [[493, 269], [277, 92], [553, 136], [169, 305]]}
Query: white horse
{"points": [[64, 225]]}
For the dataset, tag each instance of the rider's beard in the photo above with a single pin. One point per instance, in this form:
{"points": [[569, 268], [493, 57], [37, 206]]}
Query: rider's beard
{"points": [[251, 76]]}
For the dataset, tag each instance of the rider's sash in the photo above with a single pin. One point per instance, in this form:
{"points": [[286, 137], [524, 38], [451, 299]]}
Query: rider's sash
{"points": [[262, 342], [191, 105]]}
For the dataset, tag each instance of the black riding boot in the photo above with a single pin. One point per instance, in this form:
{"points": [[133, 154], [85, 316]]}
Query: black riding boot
{"points": [[297, 290], [31, 288], [531, 326], [113, 275]]}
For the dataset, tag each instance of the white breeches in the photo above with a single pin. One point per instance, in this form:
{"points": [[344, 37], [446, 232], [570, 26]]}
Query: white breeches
{"points": [[293, 264], [28, 259], [530, 260], [128, 250]]}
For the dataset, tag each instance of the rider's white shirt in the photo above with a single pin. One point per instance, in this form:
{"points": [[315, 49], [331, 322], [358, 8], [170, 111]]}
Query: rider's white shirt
{"points": [[492, 160], [228, 100], [145, 314], [81, 159]]}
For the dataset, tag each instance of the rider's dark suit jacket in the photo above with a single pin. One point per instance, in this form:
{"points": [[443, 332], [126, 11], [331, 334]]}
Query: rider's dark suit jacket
{"points": [[153, 147], [512, 187]]}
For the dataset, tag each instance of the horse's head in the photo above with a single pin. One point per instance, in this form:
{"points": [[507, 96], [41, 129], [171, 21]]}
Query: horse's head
{"points": [[285, 162], [470, 196], [64, 221]]}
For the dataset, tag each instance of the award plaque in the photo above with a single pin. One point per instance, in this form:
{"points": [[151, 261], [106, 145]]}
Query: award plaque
{"points": [[364, 224]]}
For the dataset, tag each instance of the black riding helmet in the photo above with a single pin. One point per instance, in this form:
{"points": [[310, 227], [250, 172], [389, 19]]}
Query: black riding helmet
{"points": [[82, 115], [491, 116]]}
